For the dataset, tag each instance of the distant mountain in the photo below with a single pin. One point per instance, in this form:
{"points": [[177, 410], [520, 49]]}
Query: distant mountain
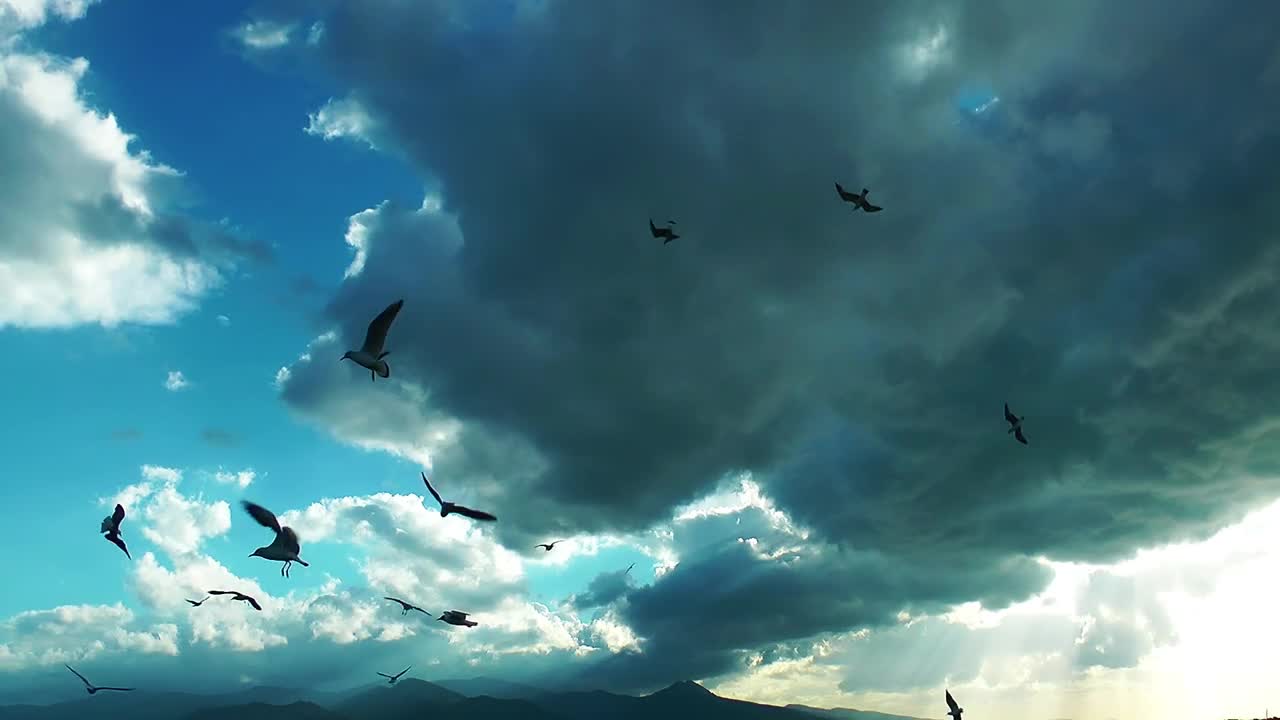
{"points": [[846, 714], [413, 699], [493, 687], [264, 711]]}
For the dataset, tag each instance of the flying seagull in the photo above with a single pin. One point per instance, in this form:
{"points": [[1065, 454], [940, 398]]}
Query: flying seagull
{"points": [[111, 526], [547, 546], [448, 507], [667, 232], [955, 709], [284, 548], [457, 617], [370, 354], [1016, 423], [391, 679], [624, 572], [197, 604], [239, 596], [859, 201], [90, 687], [406, 607]]}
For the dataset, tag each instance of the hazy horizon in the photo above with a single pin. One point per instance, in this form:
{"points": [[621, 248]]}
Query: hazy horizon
{"points": [[774, 448]]}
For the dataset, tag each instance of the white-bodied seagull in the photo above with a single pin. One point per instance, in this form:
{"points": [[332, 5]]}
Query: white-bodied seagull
{"points": [[284, 548], [391, 679], [111, 526], [238, 596], [1016, 423], [370, 354], [448, 507], [90, 687], [405, 607]]}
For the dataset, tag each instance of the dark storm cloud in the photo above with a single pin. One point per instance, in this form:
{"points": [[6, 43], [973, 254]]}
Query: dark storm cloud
{"points": [[603, 589], [1104, 262]]}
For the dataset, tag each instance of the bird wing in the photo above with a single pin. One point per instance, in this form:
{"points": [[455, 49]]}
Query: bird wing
{"points": [[117, 517], [119, 542], [252, 602], [377, 333], [290, 540], [868, 207], [221, 592], [654, 229], [398, 600], [193, 602], [951, 702], [844, 194], [403, 671], [424, 612], [473, 514], [265, 517], [432, 490], [1021, 438], [115, 688], [386, 676], [73, 672], [1008, 416]]}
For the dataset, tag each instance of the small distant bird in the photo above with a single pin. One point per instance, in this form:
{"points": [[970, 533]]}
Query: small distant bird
{"points": [[90, 687], [955, 709], [667, 232], [197, 604], [624, 572], [1016, 423], [859, 201], [370, 354], [548, 546], [391, 679], [237, 596], [111, 526], [284, 548], [448, 507], [457, 617], [406, 607]]}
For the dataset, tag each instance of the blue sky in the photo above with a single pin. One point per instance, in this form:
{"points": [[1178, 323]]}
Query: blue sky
{"points": [[789, 420]]}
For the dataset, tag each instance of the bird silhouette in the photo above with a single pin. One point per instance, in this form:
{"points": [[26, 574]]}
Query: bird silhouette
{"points": [[370, 354], [238, 596], [457, 617], [668, 234], [406, 607], [956, 710], [859, 201], [391, 679], [548, 546], [111, 526], [198, 604], [284, 548], [1016, 423], [90, 687], [448, 507]]}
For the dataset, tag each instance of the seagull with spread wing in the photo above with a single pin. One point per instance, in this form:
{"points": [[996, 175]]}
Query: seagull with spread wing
{"points": [[284, 548], [90, 687], [111, 526], [238, 596], [859, 201], [448, 507], [370, 354], [1016, 423], [956, 710], [547, 546], [405, 607], [391, 679], [197, 604]]}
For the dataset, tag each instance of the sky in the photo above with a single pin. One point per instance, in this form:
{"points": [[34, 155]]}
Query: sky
{"points": [[789, 420]]}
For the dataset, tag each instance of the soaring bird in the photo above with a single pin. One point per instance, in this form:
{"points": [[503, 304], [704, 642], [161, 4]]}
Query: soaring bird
{"points": [[1016, 424], [457, 617], [238, 596], [548, 546], [448, 507], [90, 687], [370, 354], [406, 607], [111, 526], [629, 567], [859, 201], [955, 709], [197, 604], [667, 232], [391, 679], [284, 548]]}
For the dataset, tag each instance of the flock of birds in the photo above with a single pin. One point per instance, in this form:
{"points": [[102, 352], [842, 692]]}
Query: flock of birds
{"points": [[285, 547]]}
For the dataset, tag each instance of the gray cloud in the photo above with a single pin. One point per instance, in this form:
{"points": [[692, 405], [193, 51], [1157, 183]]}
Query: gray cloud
{"points": [[1096, 248]]}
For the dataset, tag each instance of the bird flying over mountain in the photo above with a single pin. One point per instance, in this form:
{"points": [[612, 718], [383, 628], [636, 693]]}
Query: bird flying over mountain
{"points": [[391, 679], [90, 687]]}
